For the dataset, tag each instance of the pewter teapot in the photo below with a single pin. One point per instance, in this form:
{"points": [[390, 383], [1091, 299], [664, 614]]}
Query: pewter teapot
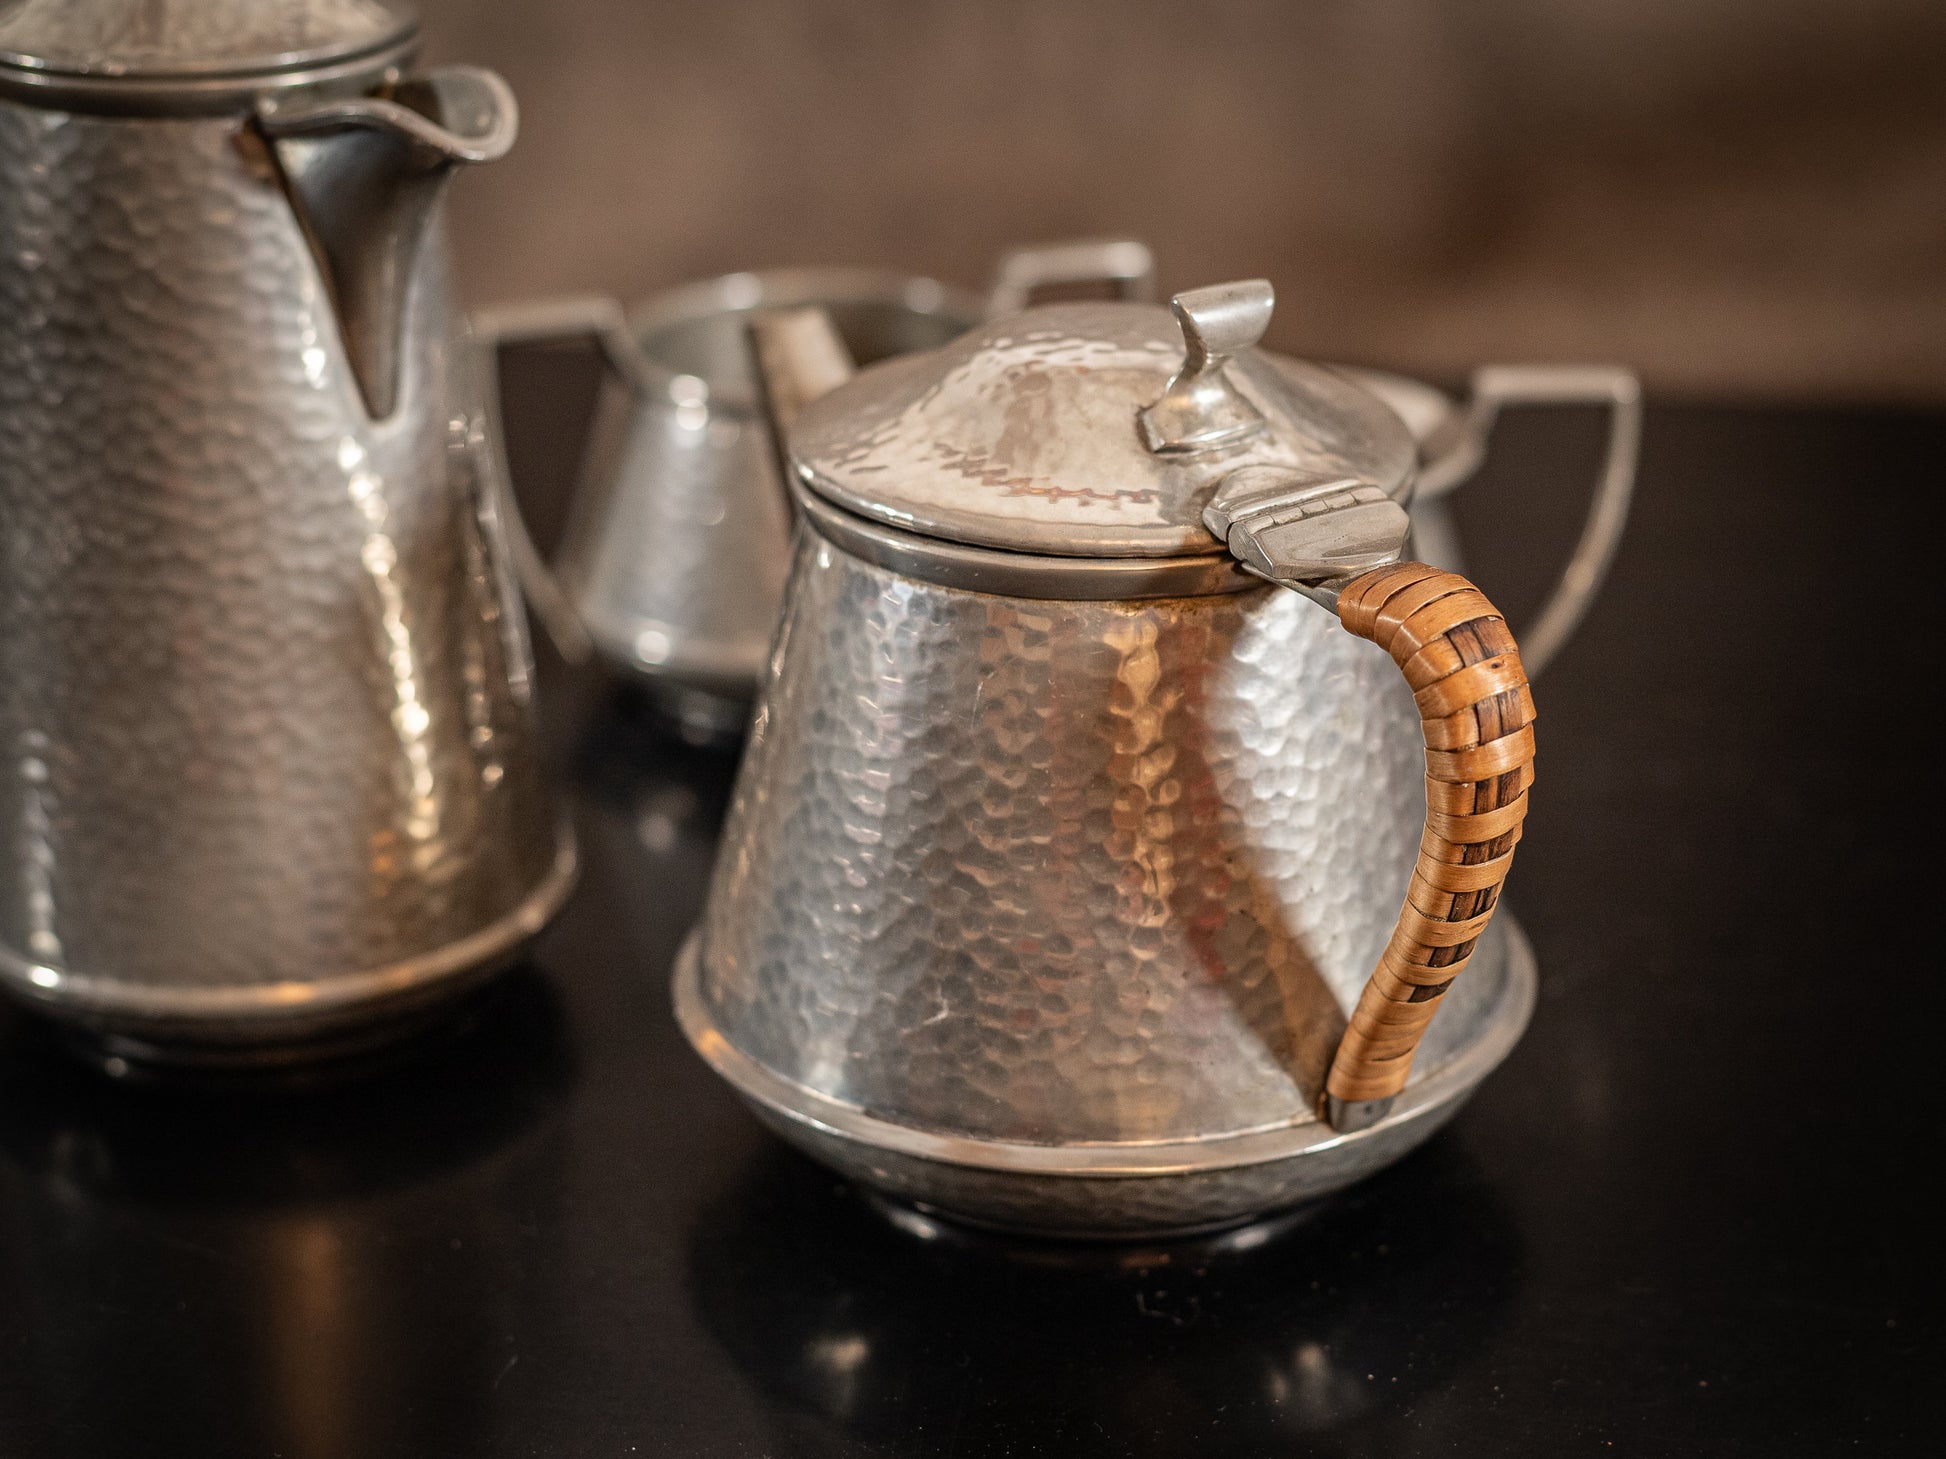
{"points": [[264, 689], [1061, 888]]}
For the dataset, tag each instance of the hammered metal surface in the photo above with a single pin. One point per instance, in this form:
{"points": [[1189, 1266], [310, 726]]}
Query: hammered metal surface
{"points": [[1022, 436], [1131, 1188], [1061, 871], [677, 549], [263, 705], [676, 554]]}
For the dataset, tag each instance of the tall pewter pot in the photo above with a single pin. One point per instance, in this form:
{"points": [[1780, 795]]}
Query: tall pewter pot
{"points": [[1061, 888], [270, 784]]}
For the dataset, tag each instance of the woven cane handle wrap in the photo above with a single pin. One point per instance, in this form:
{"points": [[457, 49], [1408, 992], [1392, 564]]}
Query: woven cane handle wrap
{"points": [[1478, 718]]}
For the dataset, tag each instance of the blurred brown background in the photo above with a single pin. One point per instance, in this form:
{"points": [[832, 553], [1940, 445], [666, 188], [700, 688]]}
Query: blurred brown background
{"points": [[1740, 197]]}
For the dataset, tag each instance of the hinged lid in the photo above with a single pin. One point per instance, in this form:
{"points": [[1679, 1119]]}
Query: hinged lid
{"points": [[107, 49], [1092, 430]]}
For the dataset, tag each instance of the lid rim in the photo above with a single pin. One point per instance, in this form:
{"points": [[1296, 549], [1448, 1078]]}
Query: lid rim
{"points": [[184, 47], [268, 66], [1013, 573], [1081, 542], [191, 93], [1023, 437]]}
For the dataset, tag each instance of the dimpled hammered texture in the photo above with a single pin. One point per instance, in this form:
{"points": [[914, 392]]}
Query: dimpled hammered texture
{"points": [[1063, 871], [267, 750], [675, 559]]}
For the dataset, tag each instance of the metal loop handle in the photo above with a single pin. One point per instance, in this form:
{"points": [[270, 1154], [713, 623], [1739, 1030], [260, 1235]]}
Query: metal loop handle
{"points": [[1123, 263], [592, 318], [1496, 387]]}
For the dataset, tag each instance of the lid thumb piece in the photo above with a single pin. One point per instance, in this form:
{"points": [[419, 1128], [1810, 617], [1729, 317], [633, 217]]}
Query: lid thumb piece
{"points": [[1200, 409]]}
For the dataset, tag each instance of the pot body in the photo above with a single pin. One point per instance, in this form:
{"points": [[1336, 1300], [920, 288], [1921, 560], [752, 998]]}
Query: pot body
{"points": [[270, 763], [1018, 896]]}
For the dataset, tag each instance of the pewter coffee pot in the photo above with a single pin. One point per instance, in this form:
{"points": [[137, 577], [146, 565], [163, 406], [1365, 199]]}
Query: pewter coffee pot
{"points": [[1062, 886], [272, 782]]}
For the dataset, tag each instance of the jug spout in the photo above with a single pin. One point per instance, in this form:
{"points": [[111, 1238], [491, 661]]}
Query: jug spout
{"points": [[364, 174]]}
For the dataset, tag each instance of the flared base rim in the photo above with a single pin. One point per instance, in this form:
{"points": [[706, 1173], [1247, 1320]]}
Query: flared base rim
{"points": [[1426, 1100], [159, 1017]]}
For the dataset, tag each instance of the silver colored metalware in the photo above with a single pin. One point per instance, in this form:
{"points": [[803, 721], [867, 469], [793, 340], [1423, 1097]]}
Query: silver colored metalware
{"points": [[673, 559], [1063, 842], [270, 784], [1453, 438]]}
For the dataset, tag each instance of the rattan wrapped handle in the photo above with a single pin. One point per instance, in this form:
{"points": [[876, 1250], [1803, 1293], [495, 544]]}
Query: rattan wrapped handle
{"points": [[1478, 716]]}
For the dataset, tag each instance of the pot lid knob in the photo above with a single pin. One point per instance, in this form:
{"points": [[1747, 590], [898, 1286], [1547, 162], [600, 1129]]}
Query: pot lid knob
{"points": [[1200, 408]]}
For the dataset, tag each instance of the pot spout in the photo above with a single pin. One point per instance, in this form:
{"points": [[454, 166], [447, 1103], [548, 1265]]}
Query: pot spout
{"points": [[799, 356], [364, 174]]}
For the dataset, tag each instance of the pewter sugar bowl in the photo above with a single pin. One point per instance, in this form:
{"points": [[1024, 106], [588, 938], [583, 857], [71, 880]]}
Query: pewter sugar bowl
{"points": [[271, 785], [1085, 875]]}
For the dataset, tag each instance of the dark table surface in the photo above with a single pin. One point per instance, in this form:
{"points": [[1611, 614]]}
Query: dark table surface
{"points": [[1684, 1218]]}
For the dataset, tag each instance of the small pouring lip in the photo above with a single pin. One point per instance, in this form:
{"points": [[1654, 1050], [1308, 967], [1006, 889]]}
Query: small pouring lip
{"points": [[482, 132], [729, 300], [364, 175]]}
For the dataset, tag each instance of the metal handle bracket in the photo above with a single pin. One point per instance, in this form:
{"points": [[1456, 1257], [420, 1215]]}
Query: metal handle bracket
{"points": [[1306, 532]]}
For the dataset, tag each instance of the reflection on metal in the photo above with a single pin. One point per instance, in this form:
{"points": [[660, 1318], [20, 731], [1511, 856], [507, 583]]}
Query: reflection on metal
{"points": [[1266, 1334], [37, 861], [410, 719], [272, 781]]}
